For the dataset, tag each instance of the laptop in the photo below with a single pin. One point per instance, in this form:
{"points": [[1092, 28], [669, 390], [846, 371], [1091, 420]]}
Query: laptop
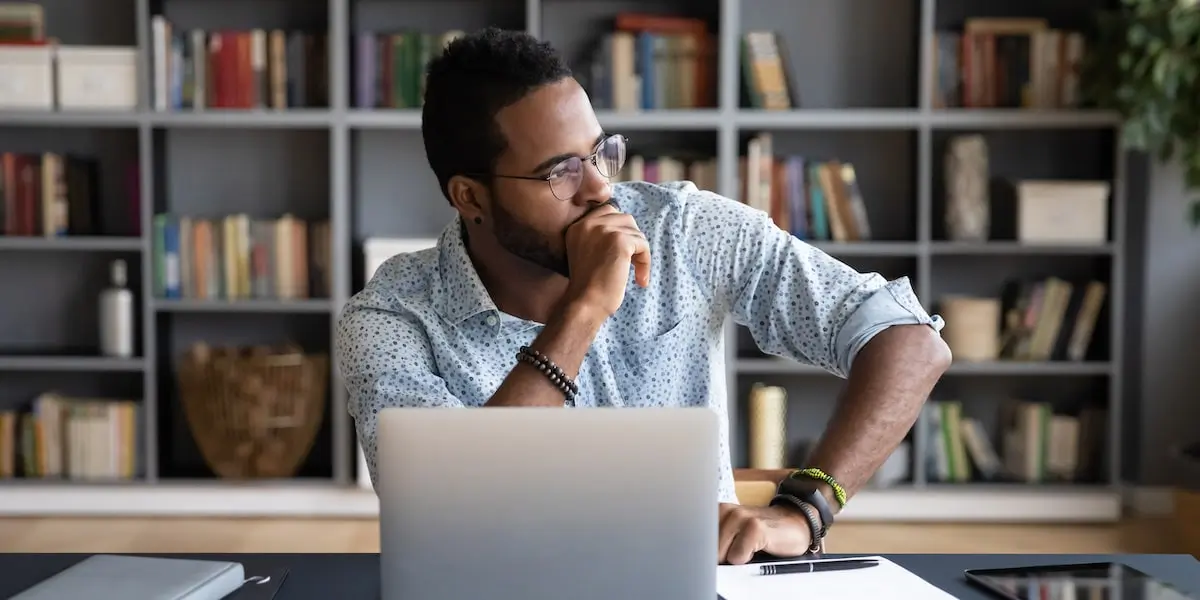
{"points": [[547, 503]]}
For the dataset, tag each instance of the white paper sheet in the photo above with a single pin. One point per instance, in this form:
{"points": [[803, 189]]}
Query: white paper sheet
{"points": [[888, 580]]}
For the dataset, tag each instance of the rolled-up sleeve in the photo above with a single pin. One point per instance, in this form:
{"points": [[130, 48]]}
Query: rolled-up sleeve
{"points": [[893, 304], [796, 300]]}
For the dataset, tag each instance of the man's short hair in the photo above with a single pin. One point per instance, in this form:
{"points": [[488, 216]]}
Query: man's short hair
{"points": [[477, 75]]}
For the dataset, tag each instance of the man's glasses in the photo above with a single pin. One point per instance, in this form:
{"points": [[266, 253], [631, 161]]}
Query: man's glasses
{"points": [[566, 177]]}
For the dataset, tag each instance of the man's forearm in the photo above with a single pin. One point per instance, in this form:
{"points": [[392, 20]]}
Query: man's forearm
{"points": [[565, 340], [888, 384]]}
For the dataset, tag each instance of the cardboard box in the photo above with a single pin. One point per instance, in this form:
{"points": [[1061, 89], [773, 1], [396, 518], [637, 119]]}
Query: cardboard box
{"points": [[97, 78], [26, 77], [1062, 212]]}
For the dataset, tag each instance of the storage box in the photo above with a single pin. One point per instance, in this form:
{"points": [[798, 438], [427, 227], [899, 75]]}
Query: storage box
{"points": [[97, 78], [26, 77], [1062, 212]]}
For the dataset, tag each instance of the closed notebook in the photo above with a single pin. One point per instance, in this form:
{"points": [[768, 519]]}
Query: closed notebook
{"points": [[110, 577]]}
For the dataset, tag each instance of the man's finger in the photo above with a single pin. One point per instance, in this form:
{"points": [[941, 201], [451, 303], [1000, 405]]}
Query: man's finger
{"points": [[631, 229], [749, 539], [604, 210], [730, 525], [640, 260]]}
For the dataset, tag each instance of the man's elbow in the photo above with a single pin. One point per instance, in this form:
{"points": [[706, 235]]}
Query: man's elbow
{"points": [[923, 346], [917, 348], [936, 351]]}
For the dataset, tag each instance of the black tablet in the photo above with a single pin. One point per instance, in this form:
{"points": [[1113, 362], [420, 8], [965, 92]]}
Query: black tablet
{"points": [[1088, 581]]}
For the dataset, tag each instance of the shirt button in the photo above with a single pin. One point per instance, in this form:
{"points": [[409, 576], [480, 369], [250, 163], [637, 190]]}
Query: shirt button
{"points": [[491, 320]]}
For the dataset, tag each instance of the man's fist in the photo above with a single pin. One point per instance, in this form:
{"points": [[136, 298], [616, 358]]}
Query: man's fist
{"points": [[600, 249], [776, 530]]}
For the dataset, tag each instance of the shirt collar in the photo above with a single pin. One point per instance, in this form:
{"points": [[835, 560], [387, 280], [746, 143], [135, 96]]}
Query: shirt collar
{"points": [[458, 292]]}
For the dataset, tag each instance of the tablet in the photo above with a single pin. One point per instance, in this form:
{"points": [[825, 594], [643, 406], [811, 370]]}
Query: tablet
{"points": [[1085, 581]]}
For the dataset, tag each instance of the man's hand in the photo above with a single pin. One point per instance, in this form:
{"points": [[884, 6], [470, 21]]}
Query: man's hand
{"points": [[776, 530], [600, 249]]}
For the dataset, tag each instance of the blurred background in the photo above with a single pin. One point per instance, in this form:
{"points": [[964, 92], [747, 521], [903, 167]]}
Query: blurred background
{"points": [[192, 189]]}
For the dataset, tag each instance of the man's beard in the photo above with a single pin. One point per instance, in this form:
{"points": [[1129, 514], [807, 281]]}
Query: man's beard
{"points": [[523, 241]]}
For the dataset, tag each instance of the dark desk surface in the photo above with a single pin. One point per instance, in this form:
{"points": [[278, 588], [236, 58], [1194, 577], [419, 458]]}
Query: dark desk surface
{"points": [[354, 576]]}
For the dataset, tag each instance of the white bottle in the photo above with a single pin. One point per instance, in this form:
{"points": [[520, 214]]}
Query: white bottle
{"points": [[116, 315]]}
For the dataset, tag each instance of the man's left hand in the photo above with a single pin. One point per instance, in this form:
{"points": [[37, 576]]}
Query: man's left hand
{"points": [[776, 530]]}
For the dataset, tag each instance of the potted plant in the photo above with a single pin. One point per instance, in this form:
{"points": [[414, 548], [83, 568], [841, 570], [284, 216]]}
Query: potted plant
{"points": [[1144, 63]]}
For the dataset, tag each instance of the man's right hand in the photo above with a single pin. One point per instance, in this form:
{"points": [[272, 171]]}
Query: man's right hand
{"points": [[600, 249]]}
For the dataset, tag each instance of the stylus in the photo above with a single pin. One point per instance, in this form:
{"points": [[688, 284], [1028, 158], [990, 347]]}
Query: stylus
{"points": [[817, 567]]}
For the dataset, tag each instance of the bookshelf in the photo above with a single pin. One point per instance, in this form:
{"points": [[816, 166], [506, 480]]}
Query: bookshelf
{"points": [[862, 72]]}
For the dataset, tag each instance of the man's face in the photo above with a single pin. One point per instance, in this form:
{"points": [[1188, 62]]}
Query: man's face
{"points": [[545, 127]]}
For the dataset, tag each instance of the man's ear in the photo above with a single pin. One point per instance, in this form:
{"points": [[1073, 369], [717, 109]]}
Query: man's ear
{"points": [[469, 197]]}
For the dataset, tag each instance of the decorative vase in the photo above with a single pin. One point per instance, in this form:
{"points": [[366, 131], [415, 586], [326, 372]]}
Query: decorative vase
{"points": [[967, 202], [973, 327]]}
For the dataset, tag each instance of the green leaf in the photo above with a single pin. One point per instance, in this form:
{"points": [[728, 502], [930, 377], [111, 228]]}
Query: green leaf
{"points": [[1137, 34], [1143, 62], [1162, 63], [1166, 151]]}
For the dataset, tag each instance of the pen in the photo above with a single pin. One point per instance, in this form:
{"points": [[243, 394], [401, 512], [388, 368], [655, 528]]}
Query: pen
{"points": [[817, 567]]}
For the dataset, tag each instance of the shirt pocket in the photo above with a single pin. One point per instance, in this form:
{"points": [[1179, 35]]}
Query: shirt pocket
{"points": [[654, 371]]}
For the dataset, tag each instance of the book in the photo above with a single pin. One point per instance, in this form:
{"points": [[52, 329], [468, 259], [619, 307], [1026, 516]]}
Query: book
{"points": [[113, 577]]}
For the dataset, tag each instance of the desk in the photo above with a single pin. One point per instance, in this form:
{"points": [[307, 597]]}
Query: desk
{"points": [[356, 576]]}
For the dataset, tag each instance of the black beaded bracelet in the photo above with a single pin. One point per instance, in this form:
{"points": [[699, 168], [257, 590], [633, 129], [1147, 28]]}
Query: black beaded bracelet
{"points": [[563, 385], [543, 360], [550, 370]]}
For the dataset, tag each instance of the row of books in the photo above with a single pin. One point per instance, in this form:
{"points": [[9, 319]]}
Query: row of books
{"points": [[813, 199], [765, 77], [389, 67], [194, 69], [1050, 318], [240, 257], [660, 169], [22, 22], [51, 194], [651, 61], [1036, 444], [63, 437], [1007, 63]]}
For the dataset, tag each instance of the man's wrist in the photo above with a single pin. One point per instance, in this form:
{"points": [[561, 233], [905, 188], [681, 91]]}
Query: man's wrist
{"points": [[801, 487], [581, 313], [792, 514], [830, 496], [789, 508], [802, 518]]}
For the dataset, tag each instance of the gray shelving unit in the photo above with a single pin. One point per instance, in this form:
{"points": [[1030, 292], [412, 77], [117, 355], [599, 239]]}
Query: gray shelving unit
{"points": [[862, 70]]}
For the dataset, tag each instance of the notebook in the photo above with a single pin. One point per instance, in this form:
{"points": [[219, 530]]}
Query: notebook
{"points": [[111, 577], [888, 580]]}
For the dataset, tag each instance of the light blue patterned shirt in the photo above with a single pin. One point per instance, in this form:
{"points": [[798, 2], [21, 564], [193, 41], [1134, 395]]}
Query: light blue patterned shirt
{"points": [[424, 331]]}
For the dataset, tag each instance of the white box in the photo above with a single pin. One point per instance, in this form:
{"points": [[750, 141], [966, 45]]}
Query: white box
{"points": [[97, 78], [26, 77], [1062, 212]]}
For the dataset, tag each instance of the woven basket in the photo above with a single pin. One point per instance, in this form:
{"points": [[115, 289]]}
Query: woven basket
{"points": [[254, 412]]}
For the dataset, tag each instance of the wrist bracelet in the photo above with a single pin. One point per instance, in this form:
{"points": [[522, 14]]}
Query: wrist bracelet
{"points": [[839, 493], [815, 528], [550, 367], [551, 371], [819, 529]]}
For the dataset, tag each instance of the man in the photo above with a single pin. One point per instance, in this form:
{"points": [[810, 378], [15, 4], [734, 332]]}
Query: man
{"points": [[622, 289]]}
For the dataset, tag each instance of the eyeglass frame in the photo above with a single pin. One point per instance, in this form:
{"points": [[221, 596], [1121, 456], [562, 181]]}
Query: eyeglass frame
{"points": [[591, 158]]}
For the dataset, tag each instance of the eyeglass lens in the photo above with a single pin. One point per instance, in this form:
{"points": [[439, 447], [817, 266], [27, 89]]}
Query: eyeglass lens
{"points": [[567, 176]]}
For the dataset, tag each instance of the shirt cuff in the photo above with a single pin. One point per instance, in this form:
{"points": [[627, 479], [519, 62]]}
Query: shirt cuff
{"points": [[893, 304]]}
